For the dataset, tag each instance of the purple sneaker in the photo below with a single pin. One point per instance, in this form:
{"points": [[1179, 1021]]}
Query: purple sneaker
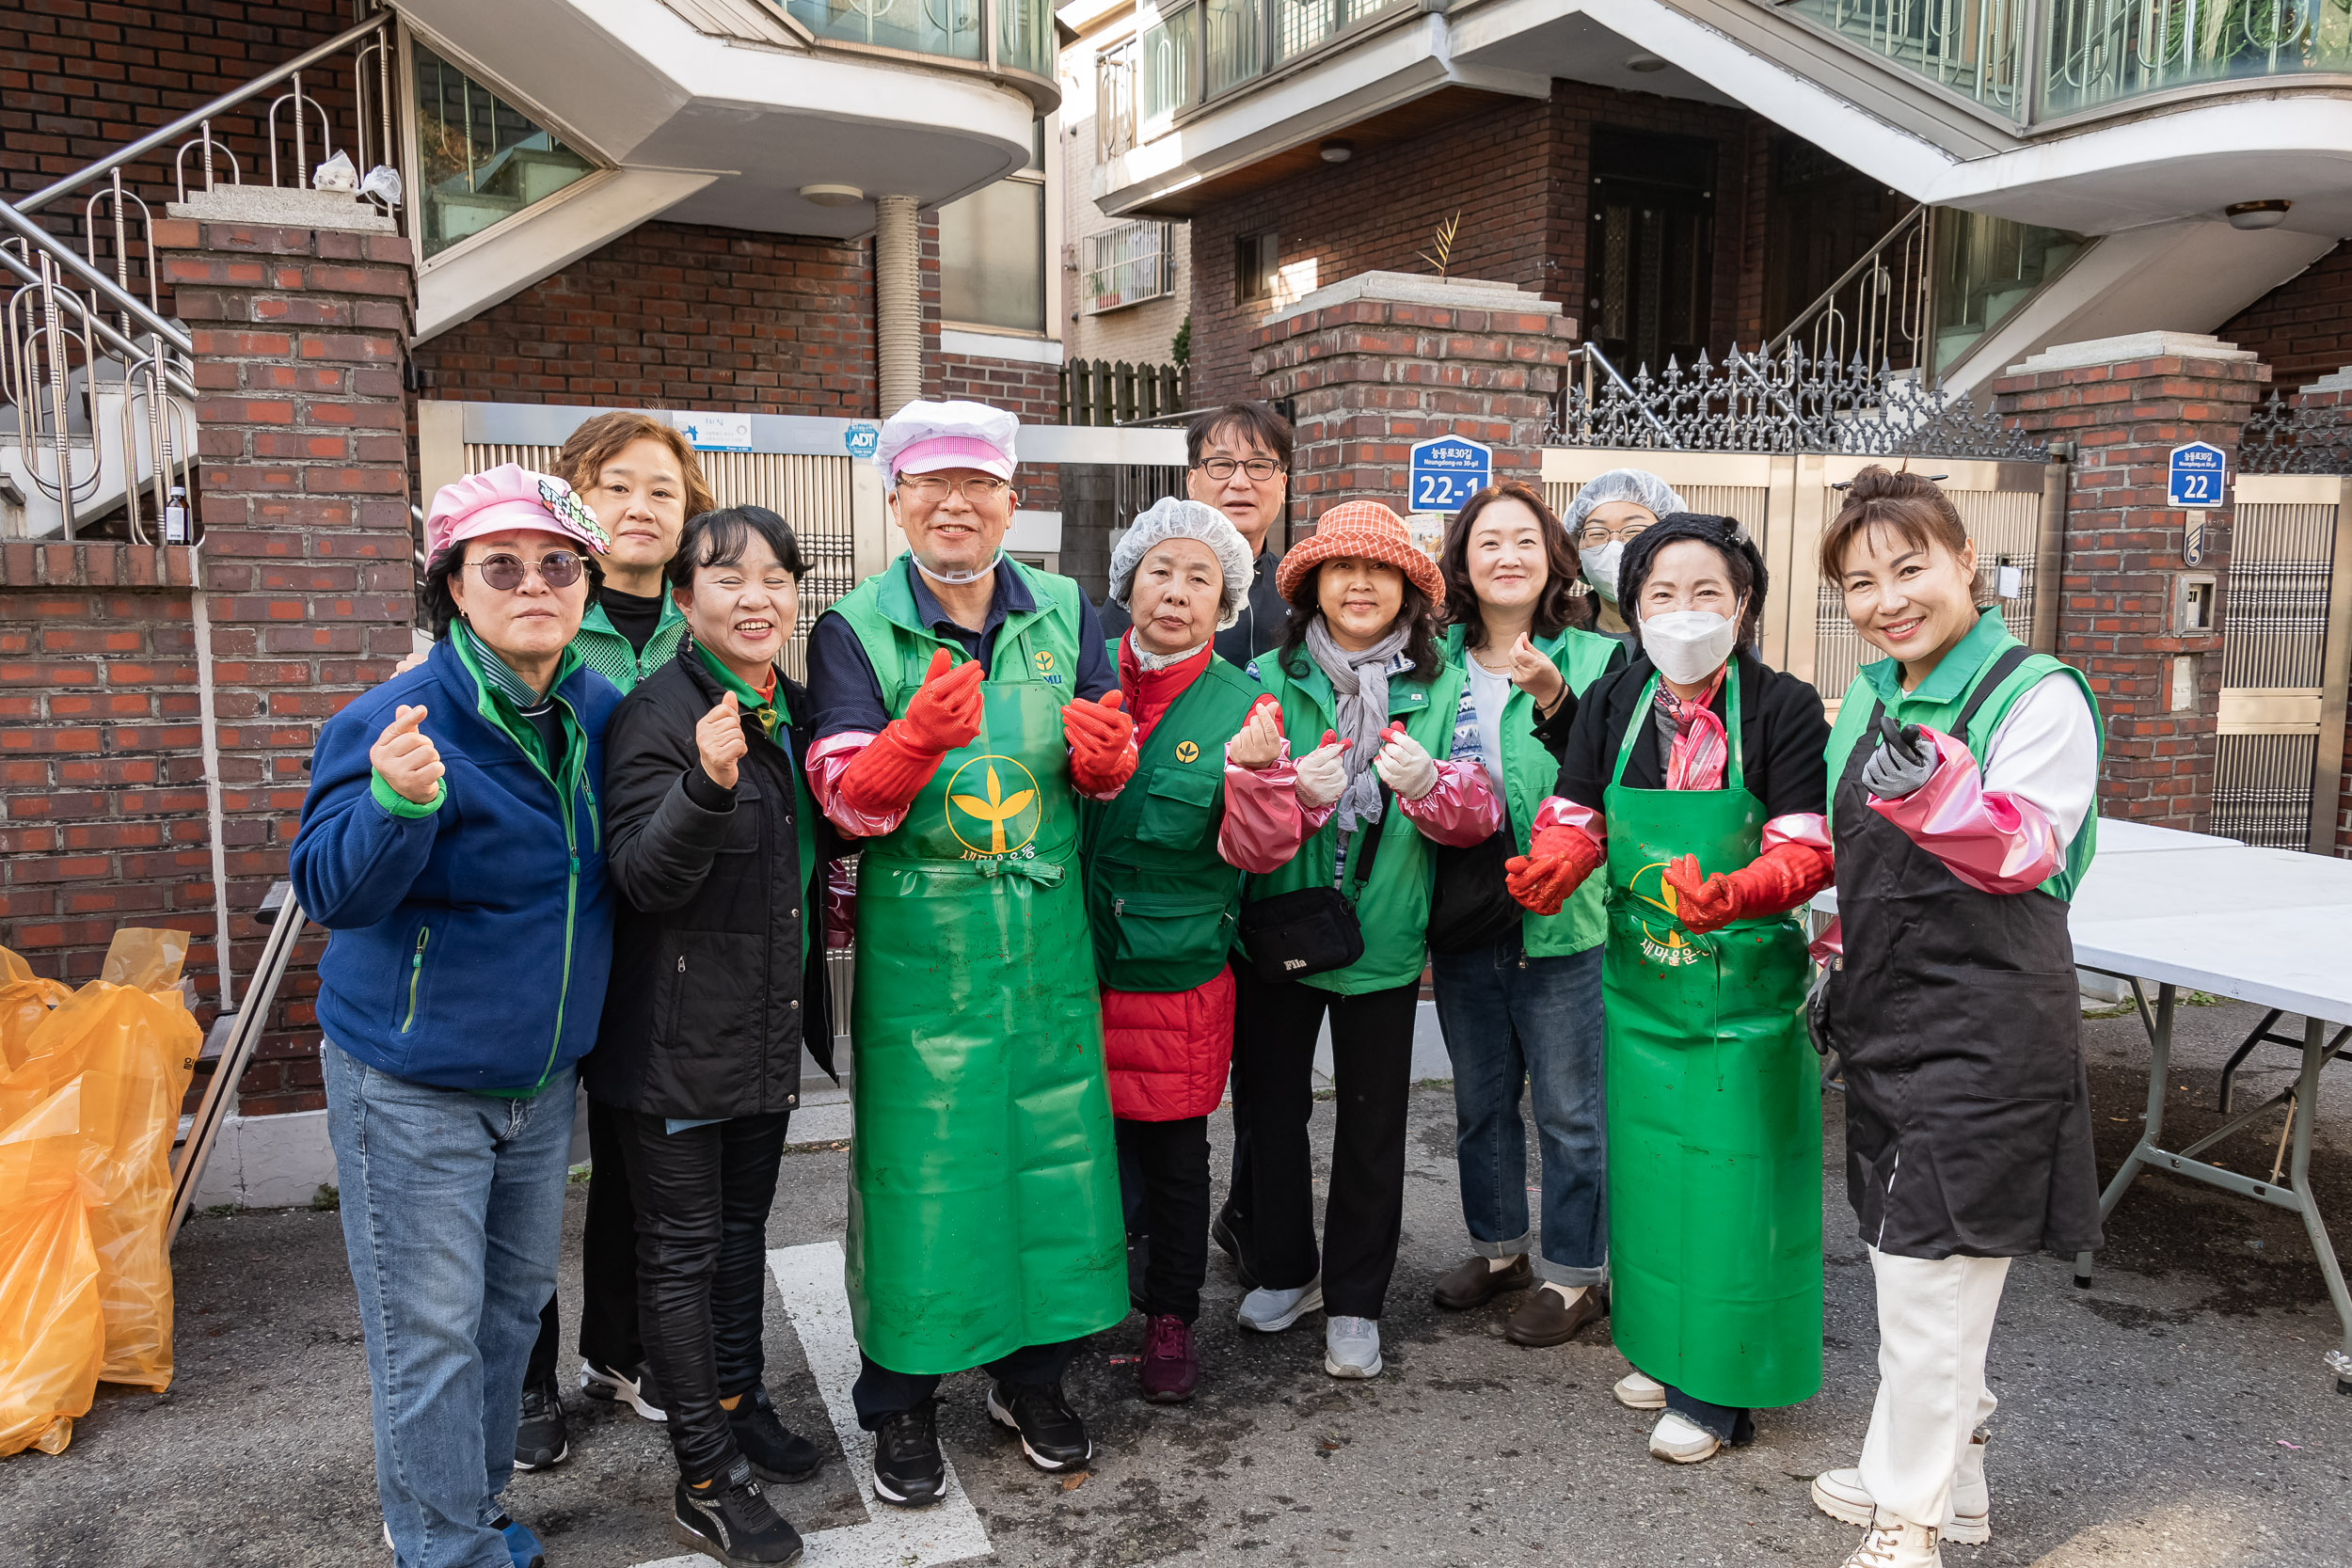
{"points": [[1171, 1368]]}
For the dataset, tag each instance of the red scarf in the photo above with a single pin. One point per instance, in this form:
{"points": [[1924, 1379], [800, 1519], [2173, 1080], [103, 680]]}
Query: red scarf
{"points": [[1150, 691], [1697, 757]]}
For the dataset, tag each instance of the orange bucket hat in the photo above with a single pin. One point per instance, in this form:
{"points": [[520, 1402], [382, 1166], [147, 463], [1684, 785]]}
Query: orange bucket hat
{"points": [[1370, 532]]}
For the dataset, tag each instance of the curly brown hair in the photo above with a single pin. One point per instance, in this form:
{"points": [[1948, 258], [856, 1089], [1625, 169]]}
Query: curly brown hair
{"points": [[1557, 608], [1912, 505], [599, 441]]}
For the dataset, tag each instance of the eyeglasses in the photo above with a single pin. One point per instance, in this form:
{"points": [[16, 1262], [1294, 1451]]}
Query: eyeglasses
{"points": [[1258, 468], [933, 489], [506, 573], [1592, 537]]}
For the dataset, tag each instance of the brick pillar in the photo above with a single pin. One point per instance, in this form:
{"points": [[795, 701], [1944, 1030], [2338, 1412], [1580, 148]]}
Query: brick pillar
{"points": [[2332, 394], [306, 579], [2124, 402], [1383, 360]]}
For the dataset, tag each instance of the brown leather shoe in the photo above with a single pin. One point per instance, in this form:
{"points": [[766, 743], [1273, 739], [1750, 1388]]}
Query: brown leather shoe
{"points": [[1473, 1284], [1544, 1319]]}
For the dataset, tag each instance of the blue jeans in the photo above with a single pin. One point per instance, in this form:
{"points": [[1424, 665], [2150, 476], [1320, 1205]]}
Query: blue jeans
{"points": [[1511, 1020], [452, 1207]]}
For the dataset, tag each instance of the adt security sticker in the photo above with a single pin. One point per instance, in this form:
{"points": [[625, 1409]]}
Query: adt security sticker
{"points": [[861, 440], [1446, 472], [2197, 476]]}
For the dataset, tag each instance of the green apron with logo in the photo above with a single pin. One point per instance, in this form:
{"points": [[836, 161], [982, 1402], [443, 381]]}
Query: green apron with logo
{"points": [[984, 1206], [1714, 1106]]}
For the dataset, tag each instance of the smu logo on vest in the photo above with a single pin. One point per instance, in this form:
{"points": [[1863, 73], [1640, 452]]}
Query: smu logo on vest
{"points": [[994, 820], [1672, 946], [1045, 667]]}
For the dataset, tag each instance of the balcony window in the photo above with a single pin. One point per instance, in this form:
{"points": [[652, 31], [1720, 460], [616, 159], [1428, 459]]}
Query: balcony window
{"points": [[991, 251], [1235, 34], [1127, 266], [1115, 101], [2100, 50], [1300, 25], [1025, 35], [480, 159], [948, 28], [1973, 49], [1169, 47]]}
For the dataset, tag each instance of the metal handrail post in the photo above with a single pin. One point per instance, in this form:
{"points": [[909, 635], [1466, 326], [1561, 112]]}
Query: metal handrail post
{"points": [[66, 257]]}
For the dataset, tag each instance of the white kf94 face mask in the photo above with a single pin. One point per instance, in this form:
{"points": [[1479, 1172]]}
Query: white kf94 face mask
{"points": [[1687, 645], [1600, 568]]}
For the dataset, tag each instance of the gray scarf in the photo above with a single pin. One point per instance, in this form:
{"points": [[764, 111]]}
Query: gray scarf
{"points": [[1361, 682]]}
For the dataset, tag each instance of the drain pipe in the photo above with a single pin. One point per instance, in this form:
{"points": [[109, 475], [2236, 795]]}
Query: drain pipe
{"points": [[897, 304], [208, 728]]}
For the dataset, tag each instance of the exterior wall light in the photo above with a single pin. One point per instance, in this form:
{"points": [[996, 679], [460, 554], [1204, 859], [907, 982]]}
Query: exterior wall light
{"points": [[1644, 63], [831, 196], [2257, 215], [1337, 150]]}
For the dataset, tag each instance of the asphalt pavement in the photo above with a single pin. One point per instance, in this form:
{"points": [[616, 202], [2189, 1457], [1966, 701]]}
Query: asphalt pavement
{"points": [[2176, 1413]]}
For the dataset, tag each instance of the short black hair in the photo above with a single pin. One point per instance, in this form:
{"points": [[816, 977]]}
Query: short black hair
{"points": [[1258, 421], [719, 538], [439, 605], [1743, 562]]}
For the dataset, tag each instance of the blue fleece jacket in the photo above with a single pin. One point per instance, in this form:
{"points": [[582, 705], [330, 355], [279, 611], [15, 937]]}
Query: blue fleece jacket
{"points": [[470, 940]]}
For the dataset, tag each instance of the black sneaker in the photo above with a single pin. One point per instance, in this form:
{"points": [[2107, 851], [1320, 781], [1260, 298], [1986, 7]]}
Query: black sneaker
{"points": [[1051, 1433], [540, 1437], [1221, 1232], [909, 1469], [728, 1518], [631, 1385], [776, 1451]]}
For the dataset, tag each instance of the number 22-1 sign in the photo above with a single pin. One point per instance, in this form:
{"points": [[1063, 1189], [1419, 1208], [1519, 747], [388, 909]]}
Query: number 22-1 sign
{"points": [[2196, 476], [1448, 471]]}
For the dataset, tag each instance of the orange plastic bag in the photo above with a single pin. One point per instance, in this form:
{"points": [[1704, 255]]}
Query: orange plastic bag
{"points": [[53, 1335], [25, 1001], [127, 1043]]}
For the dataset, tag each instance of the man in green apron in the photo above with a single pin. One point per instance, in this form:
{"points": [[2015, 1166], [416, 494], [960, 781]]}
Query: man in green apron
{"points": [[955, 711]]}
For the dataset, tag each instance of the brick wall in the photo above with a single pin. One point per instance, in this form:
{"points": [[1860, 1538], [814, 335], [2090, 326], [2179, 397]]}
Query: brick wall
{"points": [[2303, 327], [676, 315], [2122, 555], [1520, 176], [1031, 391], [101, 791]]}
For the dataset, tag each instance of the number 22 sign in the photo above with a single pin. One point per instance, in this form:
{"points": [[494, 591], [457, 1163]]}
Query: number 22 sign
{"points": [[2196, 476]]}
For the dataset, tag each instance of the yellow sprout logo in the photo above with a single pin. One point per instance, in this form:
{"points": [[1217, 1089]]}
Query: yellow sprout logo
{"points": [[1187, 752], [1673, 945], [1045, 662], [998, 809]]}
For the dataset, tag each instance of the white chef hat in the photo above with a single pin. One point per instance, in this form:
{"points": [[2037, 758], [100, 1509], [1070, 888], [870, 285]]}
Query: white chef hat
{"points": [[925, 436], [1174, 517]]}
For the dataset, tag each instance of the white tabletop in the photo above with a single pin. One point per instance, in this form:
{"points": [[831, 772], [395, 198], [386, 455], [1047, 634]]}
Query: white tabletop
{"points": [[2272, 927]]}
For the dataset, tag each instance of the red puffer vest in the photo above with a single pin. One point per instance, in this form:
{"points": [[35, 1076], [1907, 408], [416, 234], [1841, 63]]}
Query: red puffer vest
{"points": [[1169, 1051]]}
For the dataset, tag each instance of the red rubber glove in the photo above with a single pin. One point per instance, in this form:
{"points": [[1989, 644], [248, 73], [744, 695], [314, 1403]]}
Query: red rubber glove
{"points": [[1558, 860], [944, 713], [1780, 878], [1102, 743]]}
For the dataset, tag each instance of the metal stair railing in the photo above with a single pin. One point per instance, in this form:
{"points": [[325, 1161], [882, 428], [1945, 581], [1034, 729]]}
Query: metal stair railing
{"points": [[1882, 309]]}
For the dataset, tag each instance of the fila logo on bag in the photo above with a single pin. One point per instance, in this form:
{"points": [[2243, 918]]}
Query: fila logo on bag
{"points": [[1293, 963], [1671, 947]]}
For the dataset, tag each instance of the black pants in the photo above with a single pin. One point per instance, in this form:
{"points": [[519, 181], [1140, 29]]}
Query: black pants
{"points": [[1272, 1207], [702, 1196], [1164, 1171], [607, 1264], [881, 1393]]}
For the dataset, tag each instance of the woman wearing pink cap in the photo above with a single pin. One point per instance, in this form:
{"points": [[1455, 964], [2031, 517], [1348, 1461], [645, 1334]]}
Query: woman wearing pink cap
{"points": [[451, 841]]}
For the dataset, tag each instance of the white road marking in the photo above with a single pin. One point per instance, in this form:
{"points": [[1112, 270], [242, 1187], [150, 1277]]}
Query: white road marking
{"points": [[951, 1530]]}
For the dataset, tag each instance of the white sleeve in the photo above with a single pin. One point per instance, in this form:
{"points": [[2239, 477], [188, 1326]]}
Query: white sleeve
{"points": [[2045, 749]]}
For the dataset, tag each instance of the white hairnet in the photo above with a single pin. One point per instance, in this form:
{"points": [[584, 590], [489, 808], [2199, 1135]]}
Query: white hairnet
{"points": [[1638, 486], [1174, 517]]}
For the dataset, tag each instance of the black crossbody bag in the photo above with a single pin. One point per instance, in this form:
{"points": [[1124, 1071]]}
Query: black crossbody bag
{"points": [[1313, 930]]}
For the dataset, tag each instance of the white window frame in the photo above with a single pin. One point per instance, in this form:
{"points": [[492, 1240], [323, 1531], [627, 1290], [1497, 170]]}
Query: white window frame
{"points": [[1128, 264]]}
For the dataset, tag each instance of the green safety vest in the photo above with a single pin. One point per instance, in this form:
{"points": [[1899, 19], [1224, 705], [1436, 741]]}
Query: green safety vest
{"points": [[1163, 903], [984, 1202], [1393, 908], [1530, 773], [607, 652], [1937, 702]]}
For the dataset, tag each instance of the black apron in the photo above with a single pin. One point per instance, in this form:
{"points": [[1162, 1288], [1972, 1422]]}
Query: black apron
{"points": [[1958, 1018]]}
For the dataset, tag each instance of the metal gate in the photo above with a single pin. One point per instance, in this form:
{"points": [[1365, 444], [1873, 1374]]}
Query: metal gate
{"points": [[2285, 658], [2014, 510]]}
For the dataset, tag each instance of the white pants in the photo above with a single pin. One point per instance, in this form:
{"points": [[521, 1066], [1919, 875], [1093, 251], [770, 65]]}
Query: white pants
{"points": [[1936, 1319]]}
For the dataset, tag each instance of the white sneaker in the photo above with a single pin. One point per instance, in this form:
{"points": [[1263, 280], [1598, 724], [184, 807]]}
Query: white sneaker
{"points": [[633, 1388], [1893, 1544], [1271, 1311], [1678, 1442], [1636, 1392], [1351, 1346], [1841, 1495]]}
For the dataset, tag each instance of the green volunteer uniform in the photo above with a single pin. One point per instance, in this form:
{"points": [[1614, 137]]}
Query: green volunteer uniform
{"points": [[1162, 902], [603, 649], [1393, 906], [1530, 773], [984, 1206], [1714, 1105]]}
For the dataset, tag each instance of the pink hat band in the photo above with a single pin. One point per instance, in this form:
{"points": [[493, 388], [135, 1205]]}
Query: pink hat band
{"points": [[953, 451]]}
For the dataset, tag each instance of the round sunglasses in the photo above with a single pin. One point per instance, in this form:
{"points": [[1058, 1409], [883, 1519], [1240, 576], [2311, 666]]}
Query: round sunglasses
{"points": [[506, 573]]}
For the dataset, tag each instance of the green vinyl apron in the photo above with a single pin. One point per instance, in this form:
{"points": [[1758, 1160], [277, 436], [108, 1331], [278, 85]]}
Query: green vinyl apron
{"points": [[984, 1207], [1714, 1106]]}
